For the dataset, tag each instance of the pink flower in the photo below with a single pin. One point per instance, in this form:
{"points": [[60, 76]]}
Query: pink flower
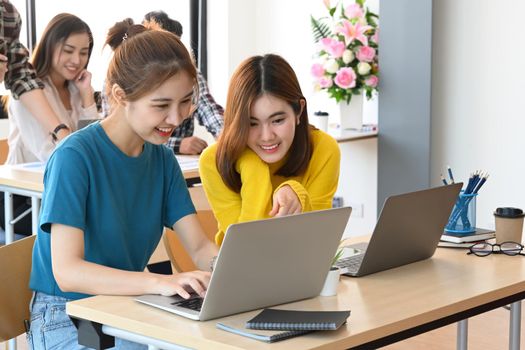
{"points": [[325, 82], [354, 11], [334, 47], [327, 3], [345, 78], [317, 70], [353, 32], [372, 81], [366, 54]]}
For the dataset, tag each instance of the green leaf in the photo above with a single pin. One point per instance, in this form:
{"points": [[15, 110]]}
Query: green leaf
{"points": [[319, 30], [337, 256], [332, 11]]}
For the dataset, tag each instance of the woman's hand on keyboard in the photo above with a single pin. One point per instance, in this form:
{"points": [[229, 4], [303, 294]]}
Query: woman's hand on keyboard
{"points": [[183, 283]]}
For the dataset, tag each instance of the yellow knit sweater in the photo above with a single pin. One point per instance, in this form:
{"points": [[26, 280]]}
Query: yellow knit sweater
{"points": [[315, 188]]}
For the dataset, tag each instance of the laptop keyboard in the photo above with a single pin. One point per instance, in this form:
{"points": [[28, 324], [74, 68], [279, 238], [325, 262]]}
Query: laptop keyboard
{"points": [[193, 303], [351, 263]]}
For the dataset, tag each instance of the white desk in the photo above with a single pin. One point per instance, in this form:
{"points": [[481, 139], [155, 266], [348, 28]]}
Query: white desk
{"points": [[28, 181], [345, 135]]}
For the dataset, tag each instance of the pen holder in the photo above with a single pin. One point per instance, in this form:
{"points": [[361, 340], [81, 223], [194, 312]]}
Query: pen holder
{"points": [[463, 217]]}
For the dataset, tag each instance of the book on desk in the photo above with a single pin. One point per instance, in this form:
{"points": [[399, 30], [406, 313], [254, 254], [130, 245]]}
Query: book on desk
{"points": [[479, 235], [272, 325], [298, 320], [236, 326]]}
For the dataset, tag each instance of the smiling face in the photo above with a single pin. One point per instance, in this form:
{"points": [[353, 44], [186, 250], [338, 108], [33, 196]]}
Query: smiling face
{"points": [[154, 116], [70, 57], [272, 128]]}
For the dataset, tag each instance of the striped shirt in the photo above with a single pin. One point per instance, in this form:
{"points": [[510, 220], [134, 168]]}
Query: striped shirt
{"points": [[209, 114]]}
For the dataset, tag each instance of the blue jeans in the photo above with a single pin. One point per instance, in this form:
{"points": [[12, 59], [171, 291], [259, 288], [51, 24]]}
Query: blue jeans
{"points": [[51, 327]]}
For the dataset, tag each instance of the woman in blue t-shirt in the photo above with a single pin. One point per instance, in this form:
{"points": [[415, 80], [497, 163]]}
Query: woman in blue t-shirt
{"points": [[112, 187]]}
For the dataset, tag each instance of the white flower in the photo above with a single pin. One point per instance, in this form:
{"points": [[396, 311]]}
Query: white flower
{"points": [[348, 56], [331, 66], [363, 68]]}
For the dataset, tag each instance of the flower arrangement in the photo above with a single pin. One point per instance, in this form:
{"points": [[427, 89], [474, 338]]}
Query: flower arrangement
{"points": [[347, 61]]}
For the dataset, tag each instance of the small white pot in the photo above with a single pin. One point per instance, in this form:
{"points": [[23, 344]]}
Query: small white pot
{"points": [[331, 282]]}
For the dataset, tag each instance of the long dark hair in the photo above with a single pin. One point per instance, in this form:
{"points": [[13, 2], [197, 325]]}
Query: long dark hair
{"points": [[57, 32], [258, 75]]}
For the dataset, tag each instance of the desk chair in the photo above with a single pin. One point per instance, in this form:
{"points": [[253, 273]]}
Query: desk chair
{"points": [[180, 259], [4, 150], [170, 248], [15, 294]]}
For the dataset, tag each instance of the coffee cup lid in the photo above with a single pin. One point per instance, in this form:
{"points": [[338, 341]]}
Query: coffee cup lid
{"points": [[508, 212]]}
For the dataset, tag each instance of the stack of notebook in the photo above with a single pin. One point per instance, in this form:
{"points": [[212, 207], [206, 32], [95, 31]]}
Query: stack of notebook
{"points": [[271, 325], [465, 240]]}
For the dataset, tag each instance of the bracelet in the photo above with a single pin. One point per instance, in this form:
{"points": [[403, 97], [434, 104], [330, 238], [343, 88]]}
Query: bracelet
{"points": [[56, 130], [212, 262]]}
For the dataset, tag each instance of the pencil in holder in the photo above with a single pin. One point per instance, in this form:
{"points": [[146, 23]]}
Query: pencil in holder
{"points": [[463, 217]]}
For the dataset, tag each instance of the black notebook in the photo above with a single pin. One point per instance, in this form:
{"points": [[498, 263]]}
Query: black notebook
{"points": [[298, 320], [268, 336]]}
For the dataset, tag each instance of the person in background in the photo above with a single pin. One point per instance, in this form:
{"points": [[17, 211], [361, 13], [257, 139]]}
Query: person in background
{"points": [[268, 160], [20, 77], [208, 113], [60, 60], [3, 67], [36, 123], [112, 187]]}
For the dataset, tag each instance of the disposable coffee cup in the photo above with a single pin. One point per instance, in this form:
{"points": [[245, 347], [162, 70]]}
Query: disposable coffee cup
{"points": [[509, 224], [321, 120]]}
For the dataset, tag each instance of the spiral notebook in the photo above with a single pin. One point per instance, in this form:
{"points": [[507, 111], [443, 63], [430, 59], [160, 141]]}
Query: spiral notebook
{"points": [[295, 320], [236, 326]]}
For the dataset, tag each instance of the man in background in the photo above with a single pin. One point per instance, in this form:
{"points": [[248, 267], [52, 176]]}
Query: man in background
{"points": [[208, 113]]}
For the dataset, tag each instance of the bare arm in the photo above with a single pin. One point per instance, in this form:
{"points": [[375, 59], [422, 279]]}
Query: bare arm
{"points": [[74, 274], [3, 67], [83, 84], [200, 248], [36, 103]]}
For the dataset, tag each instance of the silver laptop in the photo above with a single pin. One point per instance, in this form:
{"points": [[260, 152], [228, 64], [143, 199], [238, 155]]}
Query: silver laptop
{"points": [[408, 230], [82, 123], [264, 263]]}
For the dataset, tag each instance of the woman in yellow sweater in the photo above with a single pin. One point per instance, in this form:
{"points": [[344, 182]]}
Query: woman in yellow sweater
{"points": [[268, 160]]}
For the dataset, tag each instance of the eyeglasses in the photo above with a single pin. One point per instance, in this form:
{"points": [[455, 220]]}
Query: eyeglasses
{"points": [[507, 248]]}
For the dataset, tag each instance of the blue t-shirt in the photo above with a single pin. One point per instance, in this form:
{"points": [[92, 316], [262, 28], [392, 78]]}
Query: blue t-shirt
{"points": [[121, 203]]}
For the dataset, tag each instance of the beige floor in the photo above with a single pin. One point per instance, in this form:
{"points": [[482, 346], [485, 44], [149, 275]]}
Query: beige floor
{"points": [[488, 331]]}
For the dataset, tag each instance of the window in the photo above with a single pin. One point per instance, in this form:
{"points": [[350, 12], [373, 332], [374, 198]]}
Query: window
{"points": [[100, 15]]}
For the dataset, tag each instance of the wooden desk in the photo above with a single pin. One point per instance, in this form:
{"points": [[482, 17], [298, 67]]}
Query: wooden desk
{"points": [[386, 307], [15, 179]]}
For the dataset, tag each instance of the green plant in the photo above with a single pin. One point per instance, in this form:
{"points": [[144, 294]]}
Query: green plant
{"points": [[337, 256]]}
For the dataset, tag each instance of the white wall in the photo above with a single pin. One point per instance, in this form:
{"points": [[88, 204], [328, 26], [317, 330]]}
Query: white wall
{"points": [[238, 29], [478, 98]]}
